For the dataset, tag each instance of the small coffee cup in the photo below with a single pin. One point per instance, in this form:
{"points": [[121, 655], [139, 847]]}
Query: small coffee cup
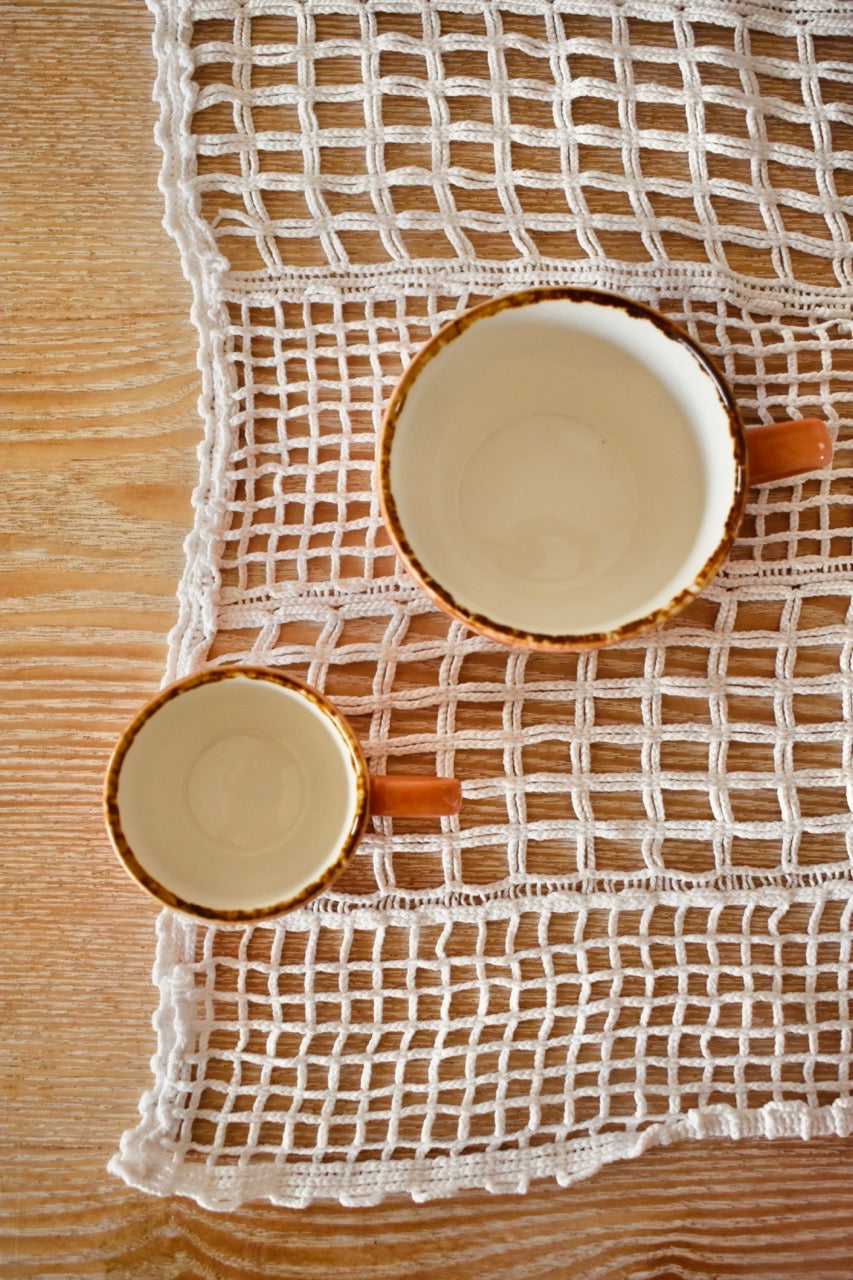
{"points": [[240, 793], [562, 469]]}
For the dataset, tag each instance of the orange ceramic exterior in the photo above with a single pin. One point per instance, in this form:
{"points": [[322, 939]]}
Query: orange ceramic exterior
{"points": [[405, 797], [784, 449]]}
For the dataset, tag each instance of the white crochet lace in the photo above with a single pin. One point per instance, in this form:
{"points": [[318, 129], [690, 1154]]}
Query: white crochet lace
{"points": [[638, 928]]}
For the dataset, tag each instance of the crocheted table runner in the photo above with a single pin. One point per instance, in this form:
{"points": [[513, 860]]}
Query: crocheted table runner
{"points": [[638, 928]]}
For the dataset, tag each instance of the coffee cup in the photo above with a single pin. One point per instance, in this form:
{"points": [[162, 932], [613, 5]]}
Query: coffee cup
{"points": [[562, 469], [241, 792]]}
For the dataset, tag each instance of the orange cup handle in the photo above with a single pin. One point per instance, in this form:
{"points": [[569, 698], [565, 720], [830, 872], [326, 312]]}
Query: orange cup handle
{"points": [[398, 796], [785, 449]]}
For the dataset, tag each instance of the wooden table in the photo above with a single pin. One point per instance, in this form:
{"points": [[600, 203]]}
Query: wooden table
{"points": [[99, 390]]}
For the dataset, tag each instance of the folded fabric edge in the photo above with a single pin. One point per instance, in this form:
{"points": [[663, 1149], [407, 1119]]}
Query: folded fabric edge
{"points": [[146, 1166]]}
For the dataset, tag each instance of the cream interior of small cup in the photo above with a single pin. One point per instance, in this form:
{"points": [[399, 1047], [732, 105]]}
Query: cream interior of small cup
{"points": [[563, 468], [237, 794]]}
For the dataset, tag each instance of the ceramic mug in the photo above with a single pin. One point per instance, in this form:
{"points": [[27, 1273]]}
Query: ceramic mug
{"points": [[561, 469], [241, 792]]}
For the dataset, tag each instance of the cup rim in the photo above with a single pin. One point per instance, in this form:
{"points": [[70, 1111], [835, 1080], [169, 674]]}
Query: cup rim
{"points": [[149, 883], [502, 632]]}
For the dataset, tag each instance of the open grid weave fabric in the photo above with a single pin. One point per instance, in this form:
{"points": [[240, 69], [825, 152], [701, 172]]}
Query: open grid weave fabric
{"points": [[638, 928]]}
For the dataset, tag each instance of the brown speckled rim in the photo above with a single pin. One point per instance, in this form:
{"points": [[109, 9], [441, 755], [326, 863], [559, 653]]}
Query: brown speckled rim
{"points": [[252, 914], [502, 632]]}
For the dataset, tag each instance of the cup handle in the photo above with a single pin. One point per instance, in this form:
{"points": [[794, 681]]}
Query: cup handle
{"points": [[399, 796], [785, 449]]}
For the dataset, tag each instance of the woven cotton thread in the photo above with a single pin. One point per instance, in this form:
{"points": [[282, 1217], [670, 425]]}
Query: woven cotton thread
{"points": [[638, 929]]}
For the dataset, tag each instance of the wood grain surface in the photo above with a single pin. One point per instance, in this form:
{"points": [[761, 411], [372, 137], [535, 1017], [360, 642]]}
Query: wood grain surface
{"points": [[99, 390]]}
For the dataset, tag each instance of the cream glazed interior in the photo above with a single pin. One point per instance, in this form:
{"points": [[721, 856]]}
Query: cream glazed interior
{"points": [[239, 793], [564, 467]]}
